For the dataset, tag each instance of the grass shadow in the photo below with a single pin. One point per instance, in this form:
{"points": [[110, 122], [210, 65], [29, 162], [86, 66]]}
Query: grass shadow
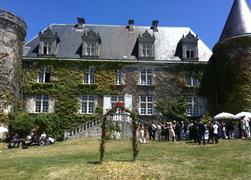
{"points": [[117, 160], [189, 142], [94, 162]]}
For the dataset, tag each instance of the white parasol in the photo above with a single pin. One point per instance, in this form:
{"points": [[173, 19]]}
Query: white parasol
{"points": [[241, 114], [224, 115]]}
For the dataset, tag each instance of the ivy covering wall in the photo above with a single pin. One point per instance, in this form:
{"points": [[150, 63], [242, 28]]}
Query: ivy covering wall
{"points": [[66, 86], [227, 82], [174, 107]]}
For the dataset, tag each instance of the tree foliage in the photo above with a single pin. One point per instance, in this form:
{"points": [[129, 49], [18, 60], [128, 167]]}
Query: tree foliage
{"points": [[173, 109]]}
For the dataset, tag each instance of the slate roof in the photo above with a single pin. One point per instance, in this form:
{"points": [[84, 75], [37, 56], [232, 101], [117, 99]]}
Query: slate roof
{"points": [[238, 22], [117, 43]]}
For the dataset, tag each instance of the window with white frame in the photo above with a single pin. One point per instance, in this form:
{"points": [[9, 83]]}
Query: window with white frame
{"points": [[119, 77], [41, 103], [193, 108], [147, 50], [146, 77], [146, 105], [47, 48], [91, 49], [89, 77], [115, 100], [192, 81], [87, 104], [44, 74]]}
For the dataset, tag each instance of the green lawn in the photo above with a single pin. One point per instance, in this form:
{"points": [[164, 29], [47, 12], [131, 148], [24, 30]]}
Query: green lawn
{"points": [[76, 159]]}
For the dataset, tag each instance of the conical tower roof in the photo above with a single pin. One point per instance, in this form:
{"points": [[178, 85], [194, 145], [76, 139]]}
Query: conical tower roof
{"points": [[238, 22]]}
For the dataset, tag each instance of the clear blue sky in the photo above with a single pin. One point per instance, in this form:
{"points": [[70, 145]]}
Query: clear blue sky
{"points": [[205, 17]]}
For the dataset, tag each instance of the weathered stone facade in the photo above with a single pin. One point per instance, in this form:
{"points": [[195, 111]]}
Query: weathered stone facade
{"points": [[230, 78], [12, 34], [168, 83]]}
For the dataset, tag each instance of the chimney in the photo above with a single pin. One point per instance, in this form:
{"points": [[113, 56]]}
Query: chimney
{"points": [[130, 24], [81, 22], [155, 25]]}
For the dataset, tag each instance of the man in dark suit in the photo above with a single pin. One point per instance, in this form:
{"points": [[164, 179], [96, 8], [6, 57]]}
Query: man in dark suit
{"points": [[201, 132]]}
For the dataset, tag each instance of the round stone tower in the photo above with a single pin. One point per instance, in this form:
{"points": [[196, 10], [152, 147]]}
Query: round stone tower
{"points": [[229, 69], [12, 34]]}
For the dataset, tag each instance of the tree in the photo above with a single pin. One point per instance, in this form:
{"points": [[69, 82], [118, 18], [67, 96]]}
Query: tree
{"points": [[173, 109]]}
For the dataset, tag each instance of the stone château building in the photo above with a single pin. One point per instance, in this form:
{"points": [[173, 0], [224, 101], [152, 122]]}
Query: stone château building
{"points": [[77, 70], [136, 65]]}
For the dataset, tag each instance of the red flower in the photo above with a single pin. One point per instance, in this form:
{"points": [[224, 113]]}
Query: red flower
{"points": [[120, 104]]}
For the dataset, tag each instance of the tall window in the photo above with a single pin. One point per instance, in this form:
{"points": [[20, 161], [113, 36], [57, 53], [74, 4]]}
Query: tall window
{"points": [[146, 77], [91, 49], [147, 50], [47, 49], [119, 77], [193, 106], [191, 52], [146, 105], [192, 81], [115, 100], [87, 104], [41, 103], [44, 74], [89, 77]]}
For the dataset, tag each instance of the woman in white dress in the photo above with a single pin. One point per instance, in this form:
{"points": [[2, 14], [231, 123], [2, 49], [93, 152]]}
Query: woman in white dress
{"points": [[142, 139], [171, 132]]}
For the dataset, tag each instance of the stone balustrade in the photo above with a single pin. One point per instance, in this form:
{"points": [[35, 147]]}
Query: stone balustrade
{"points": [[92, 129]]}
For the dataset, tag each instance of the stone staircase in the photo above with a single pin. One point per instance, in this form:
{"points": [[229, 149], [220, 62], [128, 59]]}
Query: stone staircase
{"points": [[92, 129]]}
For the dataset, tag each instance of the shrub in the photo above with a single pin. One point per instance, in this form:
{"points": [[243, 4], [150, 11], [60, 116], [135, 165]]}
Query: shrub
{"points": [[20, 123]]}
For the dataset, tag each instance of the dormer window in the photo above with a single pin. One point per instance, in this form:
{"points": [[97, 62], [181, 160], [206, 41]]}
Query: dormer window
{"points": [[146, 46], [189, 47], [91, 43], [48, 43]]}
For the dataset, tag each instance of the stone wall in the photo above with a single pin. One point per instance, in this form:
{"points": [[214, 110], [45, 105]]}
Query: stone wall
{"points": [[10, 68], [168, 84], [12, 33], [229, 77]]}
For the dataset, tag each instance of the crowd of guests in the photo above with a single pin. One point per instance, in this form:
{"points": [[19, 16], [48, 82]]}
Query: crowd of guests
{"points": [[196, 131]]}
